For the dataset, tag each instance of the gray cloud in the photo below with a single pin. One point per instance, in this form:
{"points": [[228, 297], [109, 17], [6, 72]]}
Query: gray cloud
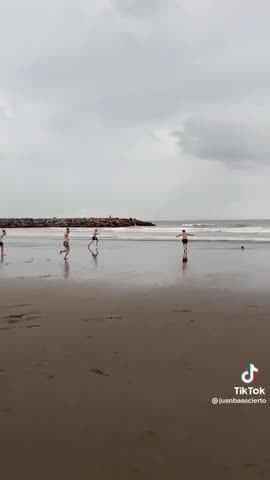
{"points": [[142, 9], [225, 140], [90, 92]]}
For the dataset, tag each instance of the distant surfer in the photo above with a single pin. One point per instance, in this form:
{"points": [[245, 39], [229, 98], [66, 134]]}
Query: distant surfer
{"points": [[185, 236], [3, 234], [94, 239], [66, 244]]}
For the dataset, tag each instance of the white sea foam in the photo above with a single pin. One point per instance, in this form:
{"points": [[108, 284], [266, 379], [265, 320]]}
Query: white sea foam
{"points": [[227, 231]]}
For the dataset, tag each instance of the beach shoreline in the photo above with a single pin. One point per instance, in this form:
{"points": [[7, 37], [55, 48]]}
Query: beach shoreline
{"points": [[139, 264]]}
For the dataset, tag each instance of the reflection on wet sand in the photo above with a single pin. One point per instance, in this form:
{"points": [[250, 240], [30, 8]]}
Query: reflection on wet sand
{"points": [[66, 269], [94, 254], [184, 266]]}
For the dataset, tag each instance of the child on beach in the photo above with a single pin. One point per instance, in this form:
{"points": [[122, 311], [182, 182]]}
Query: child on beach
{"points": [[66, 244]]}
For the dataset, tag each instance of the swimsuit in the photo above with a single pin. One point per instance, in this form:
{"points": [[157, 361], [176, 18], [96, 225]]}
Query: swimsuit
{"points": [[66, 244], [185, 241]]}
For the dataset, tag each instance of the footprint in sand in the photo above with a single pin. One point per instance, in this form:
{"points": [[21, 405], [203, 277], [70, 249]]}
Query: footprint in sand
{"points": [[18, 318], [255, 467], [92, 319], [114, 317], [17, 315], [6, 410], [136, 470], [22, 316], [149, 433], [16, 306], [99, 372], [181, 310], [51, 377], [14, 320], [41, 363]]}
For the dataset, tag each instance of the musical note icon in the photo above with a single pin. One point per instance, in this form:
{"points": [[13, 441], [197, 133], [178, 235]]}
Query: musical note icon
{"points": [[247, 376]]}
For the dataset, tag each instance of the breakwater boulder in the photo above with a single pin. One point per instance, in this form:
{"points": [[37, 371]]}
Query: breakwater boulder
{"points": [[90, 222]]}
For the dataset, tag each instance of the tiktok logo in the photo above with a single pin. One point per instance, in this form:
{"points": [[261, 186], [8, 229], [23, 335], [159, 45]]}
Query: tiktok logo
{"points": [[248, 376]]}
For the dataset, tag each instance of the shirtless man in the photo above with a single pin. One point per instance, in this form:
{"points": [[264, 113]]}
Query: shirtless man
{"points": [[94, 238], [66, 244], [185, 236], [3, 234]]}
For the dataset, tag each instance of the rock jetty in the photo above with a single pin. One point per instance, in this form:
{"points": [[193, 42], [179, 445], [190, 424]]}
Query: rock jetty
{"points": [[91, 222]]}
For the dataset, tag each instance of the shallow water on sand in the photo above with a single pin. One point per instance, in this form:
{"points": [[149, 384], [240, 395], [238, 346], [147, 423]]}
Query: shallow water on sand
{"points": [[132, 263]]}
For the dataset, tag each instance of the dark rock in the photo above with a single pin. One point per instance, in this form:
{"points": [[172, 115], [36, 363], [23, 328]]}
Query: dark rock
{"points": [[72, 222]]}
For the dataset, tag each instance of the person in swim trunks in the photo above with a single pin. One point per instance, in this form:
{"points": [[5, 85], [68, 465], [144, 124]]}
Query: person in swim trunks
{"points": [[66, 244], [185, 236], [94, 238], [3, 234]]}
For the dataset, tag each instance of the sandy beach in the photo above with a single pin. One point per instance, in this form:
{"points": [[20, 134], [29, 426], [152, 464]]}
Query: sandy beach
{"points": [[112, 376]]}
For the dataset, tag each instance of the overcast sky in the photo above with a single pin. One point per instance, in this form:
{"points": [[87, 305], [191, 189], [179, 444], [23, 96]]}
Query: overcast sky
{"points": [[158, 109]]}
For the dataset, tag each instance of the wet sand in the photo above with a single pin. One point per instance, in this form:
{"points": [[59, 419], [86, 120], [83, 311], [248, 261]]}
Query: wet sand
{"points": [[136, 264], [116, 383]]}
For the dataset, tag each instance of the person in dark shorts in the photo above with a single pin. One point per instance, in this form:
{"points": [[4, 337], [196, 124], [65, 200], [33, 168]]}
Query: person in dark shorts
{"points": [[94, 238], [185, 236], [3, 234], [66, 244]]}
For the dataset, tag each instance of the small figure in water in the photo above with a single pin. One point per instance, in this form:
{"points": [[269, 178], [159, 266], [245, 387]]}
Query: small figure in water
{"points": [[242, 248], [3, 234], [66, 244], [185, 236], [94, 239]]}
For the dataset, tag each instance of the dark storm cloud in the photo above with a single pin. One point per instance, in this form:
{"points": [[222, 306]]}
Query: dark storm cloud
{"points": [[226, 141]]}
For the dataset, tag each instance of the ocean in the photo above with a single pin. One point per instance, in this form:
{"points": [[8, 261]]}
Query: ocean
{"points": [[243, 231]]}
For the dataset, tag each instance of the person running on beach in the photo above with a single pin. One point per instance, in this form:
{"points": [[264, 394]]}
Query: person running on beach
{"points": [[94, 238], [66, 244], [3, 234], [185, 236]]}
